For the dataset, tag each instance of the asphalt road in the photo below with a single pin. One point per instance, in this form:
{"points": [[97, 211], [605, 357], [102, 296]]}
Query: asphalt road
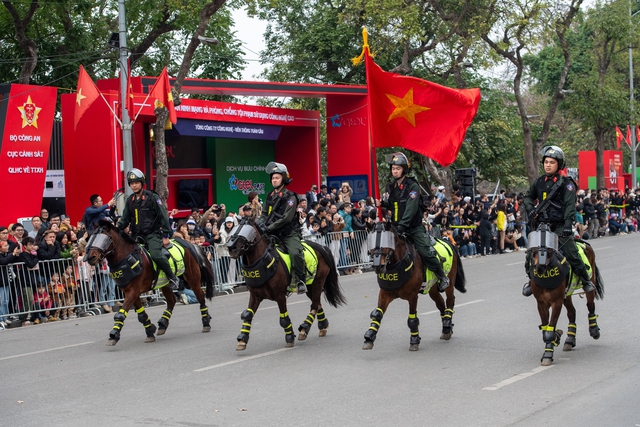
{"points": [[488, 374]]}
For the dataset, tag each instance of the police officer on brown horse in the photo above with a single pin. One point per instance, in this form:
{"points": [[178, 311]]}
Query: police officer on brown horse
{"points": [[280, 218], [146, 217], [558, 213], [402, 200]]}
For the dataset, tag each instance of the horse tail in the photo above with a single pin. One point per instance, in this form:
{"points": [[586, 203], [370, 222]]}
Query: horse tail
{"points": [[461, 280], [206, 270], [332, 291], [599, 285]]}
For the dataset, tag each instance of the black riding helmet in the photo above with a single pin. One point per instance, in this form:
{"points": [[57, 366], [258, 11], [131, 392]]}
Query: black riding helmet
{"points": [[398, 158], [136, 175], [554, 152], [274, 167]]}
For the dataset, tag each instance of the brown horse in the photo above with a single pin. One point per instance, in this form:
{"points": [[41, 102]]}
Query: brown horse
{"points": [[393, 258], [267, 277], [126, 258], [550, 285]]}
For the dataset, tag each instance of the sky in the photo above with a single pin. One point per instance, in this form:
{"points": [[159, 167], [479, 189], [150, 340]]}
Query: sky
{"points": [[250, 31]]}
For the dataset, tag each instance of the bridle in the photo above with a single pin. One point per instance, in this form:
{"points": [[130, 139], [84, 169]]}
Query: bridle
{"points": [[101, 242], [247, 232], [379, 239]]}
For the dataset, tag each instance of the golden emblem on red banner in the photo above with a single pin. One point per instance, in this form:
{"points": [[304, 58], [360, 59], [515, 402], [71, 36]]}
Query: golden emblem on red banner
{"points": [[29, 113]]}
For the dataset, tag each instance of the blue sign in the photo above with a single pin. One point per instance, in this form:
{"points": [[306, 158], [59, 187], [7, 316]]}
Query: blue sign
{"points": [[213, 129], [359, 184]]}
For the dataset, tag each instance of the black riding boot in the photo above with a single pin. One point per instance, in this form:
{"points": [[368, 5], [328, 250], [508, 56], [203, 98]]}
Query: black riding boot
{"points": [[443, 279], [174, 282], [526, 289], [302, 288], [587, 284]]}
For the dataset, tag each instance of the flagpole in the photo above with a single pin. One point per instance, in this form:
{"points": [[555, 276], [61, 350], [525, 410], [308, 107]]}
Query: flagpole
{"points": [[127, 157]]}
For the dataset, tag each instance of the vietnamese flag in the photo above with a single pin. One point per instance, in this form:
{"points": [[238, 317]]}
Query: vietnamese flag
{"points": [[161, 93], [619, 136], [86, 93], [417, 114], [628, 139]]}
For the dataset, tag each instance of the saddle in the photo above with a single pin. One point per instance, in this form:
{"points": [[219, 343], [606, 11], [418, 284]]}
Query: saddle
{"points": [[258, 273], [396, 275]]}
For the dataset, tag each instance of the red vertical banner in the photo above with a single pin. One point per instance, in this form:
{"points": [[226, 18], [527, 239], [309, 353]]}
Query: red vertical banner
{"points": [[25, 148]]}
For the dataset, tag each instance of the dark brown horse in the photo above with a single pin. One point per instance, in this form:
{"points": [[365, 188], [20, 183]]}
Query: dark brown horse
{"points": [[551, 288], [391, 254], [267, 278], [125, 257]]}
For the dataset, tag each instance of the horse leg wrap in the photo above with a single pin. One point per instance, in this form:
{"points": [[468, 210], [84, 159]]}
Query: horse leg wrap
{"points": [[306, 325], [285, 322], [143, 318], [163, 323], [550, 335], [376, 318], [447, 320], [118, 323], [323, 323], [571, 335], [594, 330], [413, 322], [246, 317], [206, 319]]}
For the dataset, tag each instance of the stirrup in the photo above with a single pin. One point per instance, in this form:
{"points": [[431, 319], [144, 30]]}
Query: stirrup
{"points": [[526, 289], [174, 283], [301, 287], [587, 286], [443, 283]]}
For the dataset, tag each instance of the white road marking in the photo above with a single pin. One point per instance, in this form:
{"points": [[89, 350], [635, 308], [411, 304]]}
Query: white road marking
{"points": [[456, 306], [44, 351], [517, 378], [275, 306], [244, 359], [515, 263]]}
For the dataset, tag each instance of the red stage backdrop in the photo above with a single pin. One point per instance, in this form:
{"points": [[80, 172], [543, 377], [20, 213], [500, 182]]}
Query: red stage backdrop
{"points": [[28, 120]]}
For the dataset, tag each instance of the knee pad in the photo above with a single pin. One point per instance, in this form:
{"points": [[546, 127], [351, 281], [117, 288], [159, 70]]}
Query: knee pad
{"points": [[247, 315], [377, 314]]}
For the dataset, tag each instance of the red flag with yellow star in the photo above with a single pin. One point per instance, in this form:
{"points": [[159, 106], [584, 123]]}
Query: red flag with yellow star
{"points": [[417, 114], [86, 93], [161, 94], [619, 136]]}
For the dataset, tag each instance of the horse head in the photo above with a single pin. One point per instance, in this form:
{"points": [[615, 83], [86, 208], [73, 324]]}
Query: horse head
{"points": [[101, 243], [382, 243], [242, 237]]}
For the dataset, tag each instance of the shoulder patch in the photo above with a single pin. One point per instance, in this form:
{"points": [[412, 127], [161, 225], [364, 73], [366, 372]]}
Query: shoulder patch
{"points": [[290, 202], [413, 194], [158, 201], [570, 187]]}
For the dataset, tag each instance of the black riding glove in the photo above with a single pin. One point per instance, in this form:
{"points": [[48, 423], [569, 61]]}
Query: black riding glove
{"points": [[262, 228], [567, 230]]}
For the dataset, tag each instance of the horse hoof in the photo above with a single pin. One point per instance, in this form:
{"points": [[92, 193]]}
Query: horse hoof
{"points": [[161, 331], [546, 362], [567, 347], [368, 345], [322, 332], [112, 342], [288, 345], [414, 347], [150, 339], [206, 329], [241, 346], [446, 336], [302, 335]]}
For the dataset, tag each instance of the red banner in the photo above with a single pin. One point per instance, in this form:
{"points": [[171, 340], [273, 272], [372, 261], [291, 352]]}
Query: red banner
{"points": [[25, 149]]}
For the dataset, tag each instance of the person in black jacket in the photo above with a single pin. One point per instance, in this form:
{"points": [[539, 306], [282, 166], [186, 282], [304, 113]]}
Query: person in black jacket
{"points": [[6, 281], [484, 230]]}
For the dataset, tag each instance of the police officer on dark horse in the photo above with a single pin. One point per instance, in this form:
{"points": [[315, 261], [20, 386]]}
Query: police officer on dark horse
{"points": [[402, 200], [280, 218], [147, 218], [558, 213]]}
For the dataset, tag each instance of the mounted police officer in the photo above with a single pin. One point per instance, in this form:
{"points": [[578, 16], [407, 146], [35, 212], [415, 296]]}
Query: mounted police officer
{"points": [[280, 218], [146, 217], [559, 213], [402, 200]]}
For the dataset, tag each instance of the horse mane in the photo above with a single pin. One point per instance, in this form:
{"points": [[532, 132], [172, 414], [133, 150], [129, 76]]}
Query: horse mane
{"points": [[111, 227]]}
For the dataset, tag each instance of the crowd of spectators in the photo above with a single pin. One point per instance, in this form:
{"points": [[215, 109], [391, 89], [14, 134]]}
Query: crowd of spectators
{"points": [[480, 227]]}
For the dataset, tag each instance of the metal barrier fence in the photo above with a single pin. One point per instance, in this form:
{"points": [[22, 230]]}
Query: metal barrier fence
{"points": [[65, 288]]}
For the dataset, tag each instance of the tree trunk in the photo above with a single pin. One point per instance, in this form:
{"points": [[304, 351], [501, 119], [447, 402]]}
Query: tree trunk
{"points": [[162, 165], [162, 113]]}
